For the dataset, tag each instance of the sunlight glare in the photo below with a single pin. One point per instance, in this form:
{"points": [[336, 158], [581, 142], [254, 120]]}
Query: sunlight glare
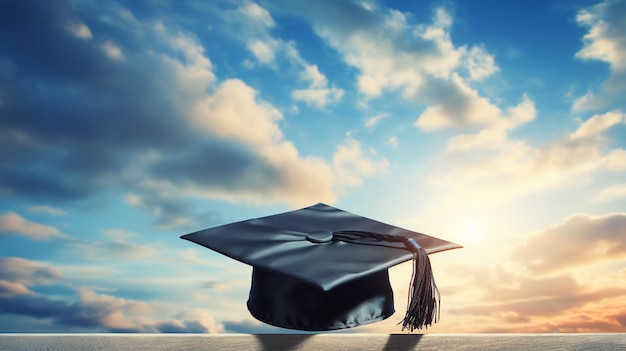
{"points": [[472, 229]]}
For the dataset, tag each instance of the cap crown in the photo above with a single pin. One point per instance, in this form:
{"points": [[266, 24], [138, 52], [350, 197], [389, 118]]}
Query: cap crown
{"points": [[296, 244]]}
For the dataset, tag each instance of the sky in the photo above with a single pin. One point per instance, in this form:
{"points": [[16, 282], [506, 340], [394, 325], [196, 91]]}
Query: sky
{"points": [[497, 125]]}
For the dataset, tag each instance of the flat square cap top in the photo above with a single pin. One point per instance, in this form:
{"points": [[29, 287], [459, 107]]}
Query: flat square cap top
{"points": [[298, 244]]}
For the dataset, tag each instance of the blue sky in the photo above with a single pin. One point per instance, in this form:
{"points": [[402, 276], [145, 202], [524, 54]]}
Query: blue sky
{"points": [[494, 124]]}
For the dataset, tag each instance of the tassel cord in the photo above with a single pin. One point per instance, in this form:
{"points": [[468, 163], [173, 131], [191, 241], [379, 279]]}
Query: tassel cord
{"points": [[423, 300]]}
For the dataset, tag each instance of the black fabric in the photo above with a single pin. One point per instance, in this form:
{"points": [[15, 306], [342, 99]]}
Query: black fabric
{"points": [[289, 303], [279, 244]]}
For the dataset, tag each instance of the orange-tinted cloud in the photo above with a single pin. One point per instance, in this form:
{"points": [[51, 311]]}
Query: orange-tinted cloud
{"points": [[579, 240], [497, 299], [13, 223], [537, 289], [90, 309]]}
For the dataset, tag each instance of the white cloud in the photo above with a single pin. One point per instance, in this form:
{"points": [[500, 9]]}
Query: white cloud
{"points": [[105, 311], [91, 309], [11, 288], [616, 160], [164, 205], [78, 29], [385, 63], [195, 319], [255, 13], [611, 193], [480, 63], [589, 102], [13, 223], [191, 255], [605, 41], [392, 141], [113, 51], [28, 273], [115, 247], [318, 97], [112, 250], [303, 179], [46, 209], [224, 121], [491, 166], [580, 239], [268, 49], [318, 94], [457, 105], [133, 199], [118, 234], [351, 164], [495, 135], [264, 51], [368, 5], [194, 75], [312, 74], [598, 124], [442, 19], [389, 52], [233, 112], [252, 25], [392, 54], [374, 120]]}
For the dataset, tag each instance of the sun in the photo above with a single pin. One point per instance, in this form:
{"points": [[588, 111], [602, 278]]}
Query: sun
{"points": [[473, 228]]}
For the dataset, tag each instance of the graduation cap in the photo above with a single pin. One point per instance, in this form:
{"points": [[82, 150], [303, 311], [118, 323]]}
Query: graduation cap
{"points": [[322, 268]]}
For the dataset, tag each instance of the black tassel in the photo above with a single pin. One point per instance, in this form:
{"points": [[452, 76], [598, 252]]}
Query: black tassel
{"points": [[424, 298]]}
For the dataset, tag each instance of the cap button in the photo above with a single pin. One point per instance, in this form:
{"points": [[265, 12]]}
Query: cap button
{"points": [[320, 237]]}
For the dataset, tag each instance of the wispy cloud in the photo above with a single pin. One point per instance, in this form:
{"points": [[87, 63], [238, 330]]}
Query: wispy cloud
{"points": [[351, 163], [258, 22], [111, 250], [318, 93], [611, 193], [78, 29], [605, 41], [13, 223], [113, 51], [268, 49], [374, 120], [579, 240], [163, 138], [560, 278], [46, 209], [28, 273], [392, 141], [392, 53], [88, 309], [492, 166], [480, 63], [102, 312]]}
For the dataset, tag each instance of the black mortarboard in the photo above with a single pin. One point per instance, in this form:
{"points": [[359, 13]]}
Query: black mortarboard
{"points": [[321, 268]]}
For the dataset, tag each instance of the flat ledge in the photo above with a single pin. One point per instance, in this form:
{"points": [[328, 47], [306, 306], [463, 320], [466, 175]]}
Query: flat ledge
{"points": [[399, 342]]}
